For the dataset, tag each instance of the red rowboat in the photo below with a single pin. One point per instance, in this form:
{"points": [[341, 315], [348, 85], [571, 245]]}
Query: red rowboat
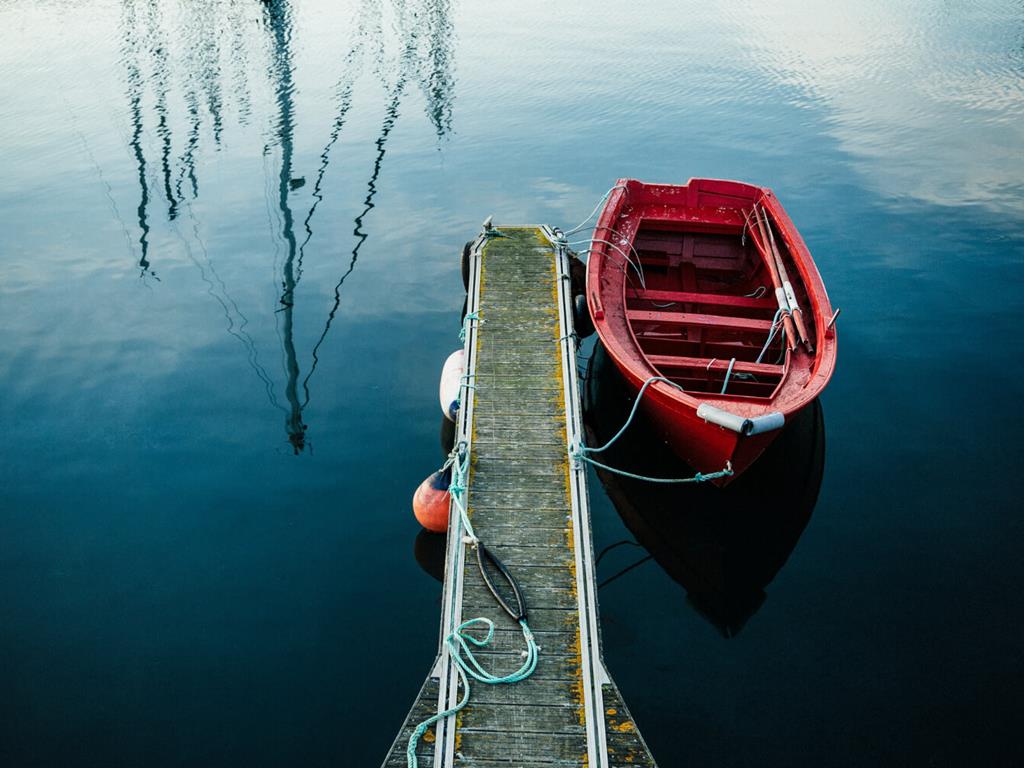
{"points": [[710, 285]]}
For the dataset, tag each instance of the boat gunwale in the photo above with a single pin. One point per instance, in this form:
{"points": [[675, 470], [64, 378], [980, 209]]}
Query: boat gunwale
{"points": [[634, 364]]}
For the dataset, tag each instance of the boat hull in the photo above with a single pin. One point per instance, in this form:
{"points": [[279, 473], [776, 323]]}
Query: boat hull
{"points": [[680, 287]]}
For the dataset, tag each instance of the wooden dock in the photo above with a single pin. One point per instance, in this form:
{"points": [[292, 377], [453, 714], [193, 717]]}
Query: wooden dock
{"points": [[529, 503]]}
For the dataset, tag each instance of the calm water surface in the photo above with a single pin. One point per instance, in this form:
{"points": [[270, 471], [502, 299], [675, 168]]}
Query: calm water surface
{"points": [[228, 280]]}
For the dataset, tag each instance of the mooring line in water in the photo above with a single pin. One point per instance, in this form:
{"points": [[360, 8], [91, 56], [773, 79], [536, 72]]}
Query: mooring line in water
{"points": [[579, 452], [597, 207]]}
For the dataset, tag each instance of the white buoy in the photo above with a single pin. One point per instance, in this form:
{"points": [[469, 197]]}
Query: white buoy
{"points": [[451, 383]]}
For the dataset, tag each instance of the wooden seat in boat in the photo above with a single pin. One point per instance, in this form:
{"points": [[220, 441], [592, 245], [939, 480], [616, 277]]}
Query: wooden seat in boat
{"points": [[709, 299], [669, 362], [695, 320]]}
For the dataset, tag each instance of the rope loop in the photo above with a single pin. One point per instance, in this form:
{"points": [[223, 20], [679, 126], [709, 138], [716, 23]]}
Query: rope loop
{"points": [[470, 317], [458, 643], [579, 452]]}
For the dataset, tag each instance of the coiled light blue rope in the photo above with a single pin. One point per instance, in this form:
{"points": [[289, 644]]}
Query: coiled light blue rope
{"points": [[458, 643]]}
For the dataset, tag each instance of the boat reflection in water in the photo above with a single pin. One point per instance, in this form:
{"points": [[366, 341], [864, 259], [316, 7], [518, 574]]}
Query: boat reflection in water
{"points": [[723, 545]]}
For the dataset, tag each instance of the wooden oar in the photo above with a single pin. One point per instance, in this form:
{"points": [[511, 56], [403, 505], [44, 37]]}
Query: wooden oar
{"points": [[780, 292], [794, 308]]}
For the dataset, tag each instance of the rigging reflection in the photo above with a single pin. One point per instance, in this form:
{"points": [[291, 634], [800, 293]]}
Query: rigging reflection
{"points": [[361, 236], [724, 546], [422, 53], [279, 24], [432, 68], [158, 47], [436, 73], [133, 76]]}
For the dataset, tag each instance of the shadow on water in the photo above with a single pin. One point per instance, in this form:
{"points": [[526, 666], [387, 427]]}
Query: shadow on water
{"points": [[425, 56], [724, 546]]}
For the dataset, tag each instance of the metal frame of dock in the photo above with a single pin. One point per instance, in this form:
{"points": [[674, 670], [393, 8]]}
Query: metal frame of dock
{"points": [[520, 414]]}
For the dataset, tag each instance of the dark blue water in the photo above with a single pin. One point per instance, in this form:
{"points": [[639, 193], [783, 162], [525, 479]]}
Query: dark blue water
{"points": [[228, 280]]}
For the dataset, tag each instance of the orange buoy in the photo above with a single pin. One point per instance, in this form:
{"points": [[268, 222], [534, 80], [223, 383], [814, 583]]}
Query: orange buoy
{"points": [[431, 500]]}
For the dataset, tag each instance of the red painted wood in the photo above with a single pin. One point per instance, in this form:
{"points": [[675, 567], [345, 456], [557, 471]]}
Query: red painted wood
{"points": [[699, 321], [711, 299], [674, 346], [716, 364], [637, 213]]}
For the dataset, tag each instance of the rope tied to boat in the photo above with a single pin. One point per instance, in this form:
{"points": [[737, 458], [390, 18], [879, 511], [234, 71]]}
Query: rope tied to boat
{"points": [[637, 266], [728, 373], [579, 452], [776, 327], [593, 213]]}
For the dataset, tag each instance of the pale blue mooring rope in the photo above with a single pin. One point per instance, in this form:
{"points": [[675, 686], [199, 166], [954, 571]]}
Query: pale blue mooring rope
{"points": [[776, 327], [579, 451], [458, 643], [604, 197], [470, 316]]}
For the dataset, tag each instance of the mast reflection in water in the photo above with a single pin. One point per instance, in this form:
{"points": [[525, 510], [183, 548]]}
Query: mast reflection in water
{"points": [[421, 51], [724, 546]]}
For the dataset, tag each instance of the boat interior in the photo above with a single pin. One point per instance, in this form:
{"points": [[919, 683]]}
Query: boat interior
{"points": [[705, 300]]}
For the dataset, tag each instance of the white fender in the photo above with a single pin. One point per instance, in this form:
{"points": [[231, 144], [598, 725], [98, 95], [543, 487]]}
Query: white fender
{"points": [[743, 426], [451, 383]]}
